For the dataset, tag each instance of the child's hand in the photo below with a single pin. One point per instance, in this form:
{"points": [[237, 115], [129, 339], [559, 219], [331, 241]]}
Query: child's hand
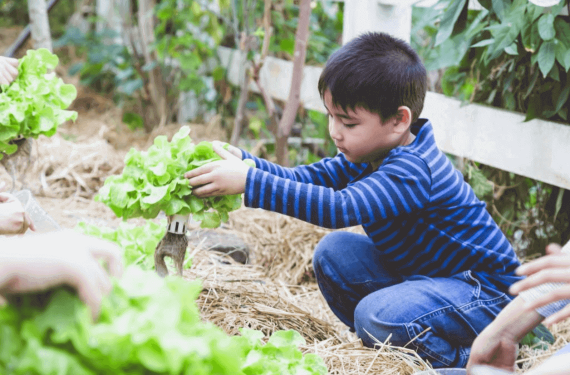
{"points": [[232, 149], [552, 268], [224, 177], [8, 70], [35, 263], [13, 218]]}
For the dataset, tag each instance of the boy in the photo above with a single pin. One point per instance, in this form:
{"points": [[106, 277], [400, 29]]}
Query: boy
{"points": [[434, 268]]}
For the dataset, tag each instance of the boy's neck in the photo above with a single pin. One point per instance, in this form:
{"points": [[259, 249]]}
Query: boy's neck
{"points": [[407, 140]]}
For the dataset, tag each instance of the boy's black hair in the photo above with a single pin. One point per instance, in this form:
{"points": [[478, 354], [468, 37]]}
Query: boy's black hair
{"points": [[377, 72]]}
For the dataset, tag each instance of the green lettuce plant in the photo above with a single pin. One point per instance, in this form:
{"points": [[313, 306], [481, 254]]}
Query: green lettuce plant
{"points": [[35, 103], [152, 181], [138, 242], [148, 325]]}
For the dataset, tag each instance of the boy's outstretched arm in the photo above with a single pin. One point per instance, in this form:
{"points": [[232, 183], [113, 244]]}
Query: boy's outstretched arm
{"points": [[224, 177]]}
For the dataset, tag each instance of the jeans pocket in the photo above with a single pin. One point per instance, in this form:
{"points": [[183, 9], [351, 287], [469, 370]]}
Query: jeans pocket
{"points": [[468, 276]]}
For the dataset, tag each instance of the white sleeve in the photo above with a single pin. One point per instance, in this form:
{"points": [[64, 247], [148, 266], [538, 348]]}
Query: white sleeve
{"points": [[541, 290]]}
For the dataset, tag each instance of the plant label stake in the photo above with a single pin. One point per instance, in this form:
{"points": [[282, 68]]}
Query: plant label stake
{"points": [[173, 244]]}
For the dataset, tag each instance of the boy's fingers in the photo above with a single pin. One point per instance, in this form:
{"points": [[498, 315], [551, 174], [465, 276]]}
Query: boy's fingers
{"points": [[206, 191], [203, 179], [200, 170], [225, 154]]}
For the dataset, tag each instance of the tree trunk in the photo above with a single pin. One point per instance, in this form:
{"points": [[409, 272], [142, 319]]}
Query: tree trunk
{"points": [[41, 35], [156, 83], [290, 111], [109, 19]]}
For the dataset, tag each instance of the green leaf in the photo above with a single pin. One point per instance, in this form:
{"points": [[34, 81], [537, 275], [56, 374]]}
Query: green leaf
{"points": [[499, 8], [155, 194], [483, 43], [567, 60], [287, 338], [546, 57], [562, 98], [448, 20], [287, 46], [512, 49], [559, 200], [546, 27], [534, 108]]}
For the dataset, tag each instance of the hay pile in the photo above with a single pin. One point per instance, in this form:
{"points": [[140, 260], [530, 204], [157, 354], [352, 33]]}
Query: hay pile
{"points": [[236, 295], [282, 245], [59, 168]]}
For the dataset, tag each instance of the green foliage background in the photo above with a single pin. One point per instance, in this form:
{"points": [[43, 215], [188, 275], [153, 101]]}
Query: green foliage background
{"points": [[514, 55]]}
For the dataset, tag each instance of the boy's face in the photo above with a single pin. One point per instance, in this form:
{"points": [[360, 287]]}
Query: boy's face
{"points": [[360, 134]]}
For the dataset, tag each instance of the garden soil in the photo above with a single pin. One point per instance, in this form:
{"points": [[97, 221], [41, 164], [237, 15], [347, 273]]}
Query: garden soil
{"points": [[276, 290]]}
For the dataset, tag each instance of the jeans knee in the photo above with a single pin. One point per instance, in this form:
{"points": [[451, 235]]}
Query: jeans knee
{"points": [[328, 249], [373, 324]]}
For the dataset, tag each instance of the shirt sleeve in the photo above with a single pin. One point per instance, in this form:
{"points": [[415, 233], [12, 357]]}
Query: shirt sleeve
{"points": [[543, 289], [397, 188], [334, 172]]}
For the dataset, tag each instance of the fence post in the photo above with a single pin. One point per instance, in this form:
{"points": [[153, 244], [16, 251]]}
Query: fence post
{"points": [[390, 16], [41, 34]]}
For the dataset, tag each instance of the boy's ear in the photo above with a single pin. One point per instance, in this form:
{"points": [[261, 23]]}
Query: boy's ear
{"points": [[403, 119]]}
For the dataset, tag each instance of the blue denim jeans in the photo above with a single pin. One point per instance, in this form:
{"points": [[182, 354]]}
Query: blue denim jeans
{"points": [[438, 317]]}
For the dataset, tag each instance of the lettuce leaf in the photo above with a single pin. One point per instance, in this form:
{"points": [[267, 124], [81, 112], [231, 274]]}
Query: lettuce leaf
{"points": [[137, 242], [35, 102]]}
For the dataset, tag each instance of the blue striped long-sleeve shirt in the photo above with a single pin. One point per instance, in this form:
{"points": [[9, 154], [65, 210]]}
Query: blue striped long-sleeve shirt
{"points": [[416, 208]]}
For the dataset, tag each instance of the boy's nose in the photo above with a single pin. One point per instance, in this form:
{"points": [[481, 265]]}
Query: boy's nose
{"points": [[333, 130]]}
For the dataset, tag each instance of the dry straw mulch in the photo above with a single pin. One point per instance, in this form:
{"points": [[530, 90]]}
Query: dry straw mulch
{"points": [[281, 244], [236, 296]]}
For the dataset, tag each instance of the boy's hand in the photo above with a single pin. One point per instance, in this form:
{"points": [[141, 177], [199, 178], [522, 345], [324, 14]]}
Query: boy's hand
{"points": [[8, 70], [232, 149], [13, 218], [224, 177], [36, 263]]}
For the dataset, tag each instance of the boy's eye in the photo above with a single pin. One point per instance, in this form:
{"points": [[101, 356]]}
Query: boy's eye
{"points": [[350, 125]]}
